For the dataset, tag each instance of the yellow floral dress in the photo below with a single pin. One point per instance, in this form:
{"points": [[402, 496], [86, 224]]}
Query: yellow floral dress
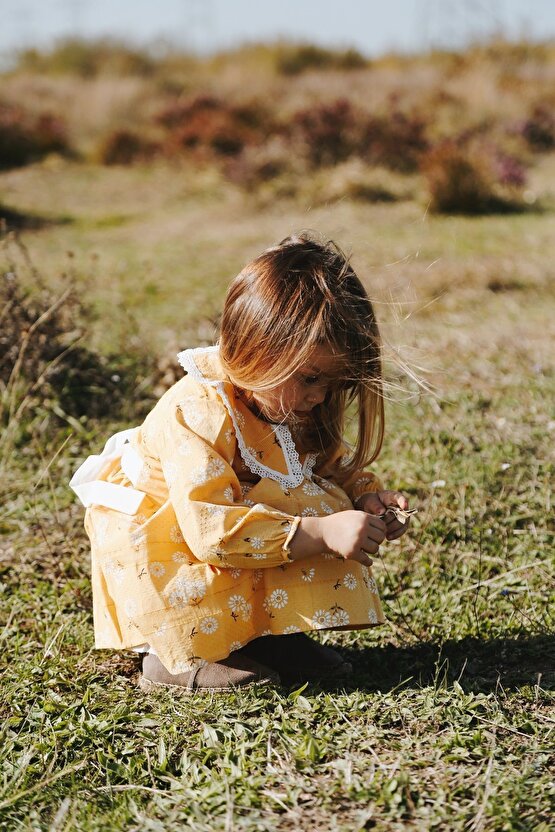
{"points": [[190, 517]]}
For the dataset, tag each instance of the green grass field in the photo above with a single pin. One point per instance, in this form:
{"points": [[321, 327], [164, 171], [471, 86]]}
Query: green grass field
{"points": [[448, 722]]}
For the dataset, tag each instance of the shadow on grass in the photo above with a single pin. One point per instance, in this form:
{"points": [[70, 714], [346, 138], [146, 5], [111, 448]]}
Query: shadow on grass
{"points": [[478, 665], [17, 221]]}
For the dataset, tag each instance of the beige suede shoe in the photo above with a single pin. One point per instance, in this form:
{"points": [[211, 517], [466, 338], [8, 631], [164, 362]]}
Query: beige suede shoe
{"points": [[237, 671]]}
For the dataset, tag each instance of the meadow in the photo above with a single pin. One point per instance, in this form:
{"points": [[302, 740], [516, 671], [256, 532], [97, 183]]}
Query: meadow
{"points": [[124, 223]]}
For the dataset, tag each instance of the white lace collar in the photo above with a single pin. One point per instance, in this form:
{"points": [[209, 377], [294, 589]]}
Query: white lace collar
{"points": [[296, 472]]}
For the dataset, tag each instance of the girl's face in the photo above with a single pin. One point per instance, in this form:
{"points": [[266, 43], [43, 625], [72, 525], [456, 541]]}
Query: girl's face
{"points": [[303, 391]]}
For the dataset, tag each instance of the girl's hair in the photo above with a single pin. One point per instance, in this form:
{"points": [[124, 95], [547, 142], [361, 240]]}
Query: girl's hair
{"points": [[294, 297]]}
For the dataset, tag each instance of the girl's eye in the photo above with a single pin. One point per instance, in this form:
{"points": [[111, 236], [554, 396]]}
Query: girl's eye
{"points": [[311, 379]]}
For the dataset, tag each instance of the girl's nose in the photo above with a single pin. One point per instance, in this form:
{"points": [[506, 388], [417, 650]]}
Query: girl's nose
{"points": [[316, 397]]}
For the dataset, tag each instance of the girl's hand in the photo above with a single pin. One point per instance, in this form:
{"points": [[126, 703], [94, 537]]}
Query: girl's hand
{"points": [[378, 502], [353, 535]]}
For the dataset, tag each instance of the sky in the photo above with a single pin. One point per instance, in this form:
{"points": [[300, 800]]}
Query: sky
{"points": [[372, 26]]}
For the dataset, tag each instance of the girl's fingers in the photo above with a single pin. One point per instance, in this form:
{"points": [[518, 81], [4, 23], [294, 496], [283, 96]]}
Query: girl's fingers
{"points": [[394, 526], [362, 557], [394, 498], [376, 523], [375, 537], [396, 531]]}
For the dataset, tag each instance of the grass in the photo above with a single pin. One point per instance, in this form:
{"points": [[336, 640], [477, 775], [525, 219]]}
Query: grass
{"points": [[449, 718]]}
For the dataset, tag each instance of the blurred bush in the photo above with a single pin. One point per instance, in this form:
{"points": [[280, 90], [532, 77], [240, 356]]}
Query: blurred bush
{"points": [[45, 370], [258, 165], [397, 140], [271, 115], [294, 59], [474, 178], [328, 133], [538, 130], [26, 138], [88, 59], [210, 125], [125, 147]]}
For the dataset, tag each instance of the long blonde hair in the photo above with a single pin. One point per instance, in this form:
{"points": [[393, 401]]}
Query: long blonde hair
{"points": [[296, 296]]}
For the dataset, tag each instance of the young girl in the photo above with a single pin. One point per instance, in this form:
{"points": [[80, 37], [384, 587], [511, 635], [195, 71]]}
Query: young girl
{"points": [[235, 519]]}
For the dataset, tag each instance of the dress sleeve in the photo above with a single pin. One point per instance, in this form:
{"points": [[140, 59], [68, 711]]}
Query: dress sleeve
{"points": [[359, 483], [197, 446]]}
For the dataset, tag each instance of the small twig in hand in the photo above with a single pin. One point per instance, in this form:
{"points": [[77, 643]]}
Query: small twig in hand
{"points": [[401, 514]]}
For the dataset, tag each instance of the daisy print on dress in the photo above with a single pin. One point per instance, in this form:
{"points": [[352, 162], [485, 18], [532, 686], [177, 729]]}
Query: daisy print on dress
{"points": [[212, 469], [321, 619], [326, 508], [349, 581], [228, 494], [208, 625], [308, 574], [235, 573], [240, 418], [187, 592], [175, 534], [239, 607], [191, 412], [370, 583], [116, 570], [311, 489], [157, 569], [255, 542], [214, 510], [291, 628], [309, 512], [339, 617], [179, 557], [278, 599], [372, 616]]}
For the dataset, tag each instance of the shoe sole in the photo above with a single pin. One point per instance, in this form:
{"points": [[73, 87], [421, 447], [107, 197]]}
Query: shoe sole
{"points": [[148, 686]]}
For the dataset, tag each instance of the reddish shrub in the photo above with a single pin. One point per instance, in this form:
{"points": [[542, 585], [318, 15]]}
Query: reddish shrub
{"points": [[180, 112], [123, 147], [510, 170], [25, 138], [329, 132], [472, 179], [539, 129], [207, 124], [397, 141]]}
